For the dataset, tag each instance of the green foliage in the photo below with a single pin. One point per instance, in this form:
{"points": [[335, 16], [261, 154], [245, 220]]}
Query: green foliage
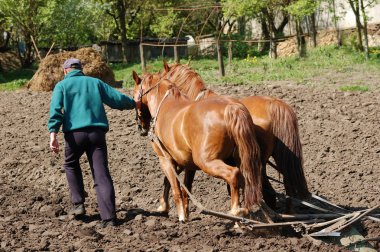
{"points": [[375, 52], [354, 88], [163, 26], [302, 8], [250, 8], [352, 42], [74, 22], [26, 15], [241, 50]]}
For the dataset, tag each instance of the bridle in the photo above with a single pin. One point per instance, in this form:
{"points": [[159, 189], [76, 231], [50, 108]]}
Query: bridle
{"points": [[139, 102]]}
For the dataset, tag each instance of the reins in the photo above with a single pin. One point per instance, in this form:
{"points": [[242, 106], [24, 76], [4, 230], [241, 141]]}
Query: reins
{"points": [[154, 118]]}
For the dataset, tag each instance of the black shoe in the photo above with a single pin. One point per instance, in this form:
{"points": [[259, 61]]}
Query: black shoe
{"points": [[77, 210], [106, 223]]}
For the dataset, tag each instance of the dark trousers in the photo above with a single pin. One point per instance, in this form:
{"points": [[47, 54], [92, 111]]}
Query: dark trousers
{"points": [[93, 142]]}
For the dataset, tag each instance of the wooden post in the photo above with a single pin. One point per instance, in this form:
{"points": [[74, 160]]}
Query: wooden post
{"points": [[142, 59], [219, 29], [35, 48], [176, 55], [220, 59], [51, 47]]}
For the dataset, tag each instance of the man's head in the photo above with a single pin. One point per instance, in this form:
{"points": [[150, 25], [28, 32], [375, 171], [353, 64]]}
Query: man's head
{"points": [[70, 64]]}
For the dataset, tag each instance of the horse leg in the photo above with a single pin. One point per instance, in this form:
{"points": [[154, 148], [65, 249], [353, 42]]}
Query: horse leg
{"points": [[269, 194], [289, 206], [168, 166], [217, 168], [164, 200], [231, 161], [188, 180]]}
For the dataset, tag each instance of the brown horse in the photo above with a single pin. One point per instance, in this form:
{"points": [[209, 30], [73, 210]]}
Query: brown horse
{"points": [[192, 135], [275, 124]]}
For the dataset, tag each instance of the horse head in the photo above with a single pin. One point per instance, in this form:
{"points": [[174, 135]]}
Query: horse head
{"points": [[143, 115], [147, 101]]}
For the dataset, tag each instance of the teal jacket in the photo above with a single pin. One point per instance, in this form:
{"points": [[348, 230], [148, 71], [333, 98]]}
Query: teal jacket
{"points": [[77, 102]]}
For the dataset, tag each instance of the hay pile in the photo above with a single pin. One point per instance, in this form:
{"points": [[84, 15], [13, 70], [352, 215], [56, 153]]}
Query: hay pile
{"points": [[50, 70], [287, 47], [9, 61]]}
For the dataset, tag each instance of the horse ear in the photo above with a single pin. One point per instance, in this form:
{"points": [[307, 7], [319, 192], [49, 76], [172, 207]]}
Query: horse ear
{"points": [[166, 66], [136, 78]]}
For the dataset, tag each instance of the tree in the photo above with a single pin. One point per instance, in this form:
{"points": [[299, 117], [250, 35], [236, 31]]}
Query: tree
{"points": [[27, 18], [300, 9], [73, 23], [127, 18], [355, 9], [266, 12], [359, 8], [332, 7]]}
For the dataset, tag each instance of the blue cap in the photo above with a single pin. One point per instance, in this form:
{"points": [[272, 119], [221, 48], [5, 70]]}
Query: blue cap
{"points": [[72, 63]]}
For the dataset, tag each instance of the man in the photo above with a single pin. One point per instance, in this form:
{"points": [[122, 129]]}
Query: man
{"points": [[77, 105]]}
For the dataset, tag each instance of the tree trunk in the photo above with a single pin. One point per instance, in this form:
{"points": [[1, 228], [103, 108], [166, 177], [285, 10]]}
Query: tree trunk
{"points": [[337, 30], [230, 54], [365, 30], [264, 46], [313, 30], [301, 45], [123, 29], [28, 56], [272, 41], [355, 8], [241, 26], [220, 59]]}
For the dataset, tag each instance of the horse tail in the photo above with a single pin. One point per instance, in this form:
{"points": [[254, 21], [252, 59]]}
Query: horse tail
{"points": [[241, 129], [287, 151]]}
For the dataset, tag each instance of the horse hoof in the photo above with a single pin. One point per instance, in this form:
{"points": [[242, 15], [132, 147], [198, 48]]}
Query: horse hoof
{"points": [[163, 210], [240, 212]]}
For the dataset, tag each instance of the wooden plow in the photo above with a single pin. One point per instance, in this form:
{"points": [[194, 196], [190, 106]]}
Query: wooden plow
{"points": [[329, 223], [334, 224]]}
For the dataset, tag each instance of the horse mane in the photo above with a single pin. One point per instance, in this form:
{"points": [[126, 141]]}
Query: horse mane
{"points": [[186, 79]]}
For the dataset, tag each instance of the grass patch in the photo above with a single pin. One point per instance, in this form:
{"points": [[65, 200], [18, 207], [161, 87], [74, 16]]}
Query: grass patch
{"points": [[354, 88], [16, 79], [258, 69], [13, 85], [255, 69]]}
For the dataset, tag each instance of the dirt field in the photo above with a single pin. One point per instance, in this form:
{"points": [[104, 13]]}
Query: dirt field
{"points": [[341, 144]]}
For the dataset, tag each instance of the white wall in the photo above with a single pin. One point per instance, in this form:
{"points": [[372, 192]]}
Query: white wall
{"points": [[324, 18], [347, 17]]}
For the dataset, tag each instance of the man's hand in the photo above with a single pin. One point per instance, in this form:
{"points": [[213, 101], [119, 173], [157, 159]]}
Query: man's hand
{"points": [[54, 146]]}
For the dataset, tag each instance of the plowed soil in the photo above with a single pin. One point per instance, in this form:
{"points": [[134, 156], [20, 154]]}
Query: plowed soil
{"points": [[339, 131]]}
